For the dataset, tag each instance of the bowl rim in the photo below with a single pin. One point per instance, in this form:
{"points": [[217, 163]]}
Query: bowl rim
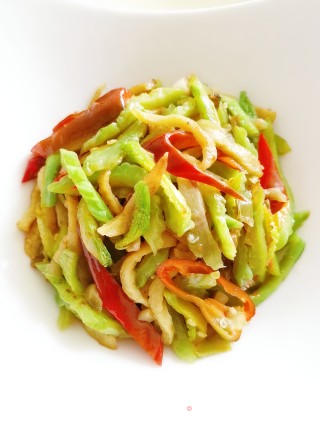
{"points": [[158, 10]]}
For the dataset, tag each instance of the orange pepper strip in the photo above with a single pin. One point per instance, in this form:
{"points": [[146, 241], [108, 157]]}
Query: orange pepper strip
{"points": [[229, 161], [234, 290], [216, 313]]}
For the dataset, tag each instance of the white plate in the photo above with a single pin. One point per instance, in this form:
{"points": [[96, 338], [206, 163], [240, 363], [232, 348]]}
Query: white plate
{"points": [[54, 54]]}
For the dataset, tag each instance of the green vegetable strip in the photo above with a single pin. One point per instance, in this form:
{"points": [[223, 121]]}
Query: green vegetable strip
{"points": [[110, 156], [273, 266], [147, 267], [90, 237], [126, 175], [59, 237], [246, 105], [270, 137], [223, 114], [187, 108], [212, 345], [125, 118], [189, 311], [223, 170], [104, 134], [192, 332], [204, 104], [241, 137], [48, 199], [272, 238], [153, 236], [255, 238], [69, 263], [284, 222], [216, 205], [94, 178], [242, 272], [107, 157], [99, 321], [294, 249], [113, 130], [242, 209], [200, 239], [136, 154], [232, 222], [141, 216], [245, 121], [299, 219], [177, 212], [136, 131], [198, 284], [65, 318], [181, 345], [160, 97], [64, 186], [282, 145], [96, 205]]}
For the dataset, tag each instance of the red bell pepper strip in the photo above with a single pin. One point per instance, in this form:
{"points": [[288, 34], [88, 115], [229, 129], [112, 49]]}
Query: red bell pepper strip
{"points": [[65, 121], [179, 166], [116, 302], [76, 128], [211, 308], [270, 177], [34, 164], [182, 140]]}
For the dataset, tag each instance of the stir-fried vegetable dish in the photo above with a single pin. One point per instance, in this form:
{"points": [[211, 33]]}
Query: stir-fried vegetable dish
{"points": [[162, 214]]}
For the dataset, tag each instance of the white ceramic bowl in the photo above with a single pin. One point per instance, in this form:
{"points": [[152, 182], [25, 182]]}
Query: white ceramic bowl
{"points": [[55, 53]]}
